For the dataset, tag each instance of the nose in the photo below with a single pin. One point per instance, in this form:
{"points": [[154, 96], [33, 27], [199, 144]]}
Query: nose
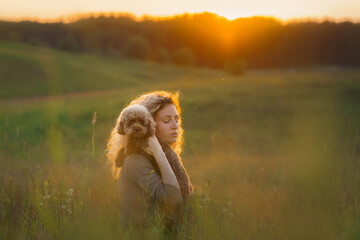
{"points": [[174, 124], [137, 129]]}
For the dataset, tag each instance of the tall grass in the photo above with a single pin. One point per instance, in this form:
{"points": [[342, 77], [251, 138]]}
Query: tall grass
{"points": [[281, 150]]}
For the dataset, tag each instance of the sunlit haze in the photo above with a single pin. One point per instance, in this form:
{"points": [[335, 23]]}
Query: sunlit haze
{"points": [[337, 10]]}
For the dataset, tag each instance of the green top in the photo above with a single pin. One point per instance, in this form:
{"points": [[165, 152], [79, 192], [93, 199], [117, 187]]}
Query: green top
{"points": [[142, 191]]}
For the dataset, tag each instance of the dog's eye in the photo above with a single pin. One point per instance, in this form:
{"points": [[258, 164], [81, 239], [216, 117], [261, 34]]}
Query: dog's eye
{"points": [[131, 122], [141, 122]]}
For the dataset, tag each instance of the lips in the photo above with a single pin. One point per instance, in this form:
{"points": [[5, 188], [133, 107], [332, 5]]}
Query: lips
{"points": [[174, 134]]}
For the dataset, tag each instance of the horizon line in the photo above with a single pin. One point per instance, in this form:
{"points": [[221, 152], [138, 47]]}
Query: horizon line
{"points": [[74, 17]]}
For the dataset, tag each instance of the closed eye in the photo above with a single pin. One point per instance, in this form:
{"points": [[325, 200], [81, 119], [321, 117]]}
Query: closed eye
{"points": [[168, 120]]}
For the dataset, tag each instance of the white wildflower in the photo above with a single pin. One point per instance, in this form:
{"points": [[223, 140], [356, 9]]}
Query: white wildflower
{"points": [[63, 206], [70, 192], [206, 199], [46, 196]]}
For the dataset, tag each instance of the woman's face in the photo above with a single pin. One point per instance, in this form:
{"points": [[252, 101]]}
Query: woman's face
{"points": [[167, 123]]}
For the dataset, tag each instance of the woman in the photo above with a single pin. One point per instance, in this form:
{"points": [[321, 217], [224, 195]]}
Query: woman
{"points": [[147, 182]]}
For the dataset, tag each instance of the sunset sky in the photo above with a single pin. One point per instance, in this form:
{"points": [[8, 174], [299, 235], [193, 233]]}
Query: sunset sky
{"points": [[231, 9]]}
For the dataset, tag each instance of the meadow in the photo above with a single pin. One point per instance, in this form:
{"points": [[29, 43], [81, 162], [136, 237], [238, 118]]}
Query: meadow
{"points": [[273, 154]]}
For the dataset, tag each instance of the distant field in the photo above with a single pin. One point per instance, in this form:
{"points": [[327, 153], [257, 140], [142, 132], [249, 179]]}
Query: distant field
{"points": [[279, 146]]}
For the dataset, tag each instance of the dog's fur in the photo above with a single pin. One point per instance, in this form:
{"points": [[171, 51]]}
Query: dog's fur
{"points": [[137, 124], [177, 166]]}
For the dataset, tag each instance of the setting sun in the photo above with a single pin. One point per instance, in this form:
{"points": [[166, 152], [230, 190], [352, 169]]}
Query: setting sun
{"points": [[193, 119], [284, 10]]}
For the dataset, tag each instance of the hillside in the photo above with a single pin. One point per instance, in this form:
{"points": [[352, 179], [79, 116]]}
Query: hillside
{"points": [[276, 146], [27, 71]]}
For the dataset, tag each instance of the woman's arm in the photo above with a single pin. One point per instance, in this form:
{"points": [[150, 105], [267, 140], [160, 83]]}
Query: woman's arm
{"points": [[138, 169], [167, 174]]}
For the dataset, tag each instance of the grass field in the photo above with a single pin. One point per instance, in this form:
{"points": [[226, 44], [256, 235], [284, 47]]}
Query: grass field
{"points": [[273, 154]]}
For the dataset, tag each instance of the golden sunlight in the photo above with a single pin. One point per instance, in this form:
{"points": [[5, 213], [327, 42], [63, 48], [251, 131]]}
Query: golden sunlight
{"points": [[230, 9]]}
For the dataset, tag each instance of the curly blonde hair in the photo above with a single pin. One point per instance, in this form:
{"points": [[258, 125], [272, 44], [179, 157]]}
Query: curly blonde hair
{"points": [[153, 101]]}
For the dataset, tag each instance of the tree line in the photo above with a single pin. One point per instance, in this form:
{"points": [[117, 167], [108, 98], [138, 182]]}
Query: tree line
{"points": [[200, 39]]}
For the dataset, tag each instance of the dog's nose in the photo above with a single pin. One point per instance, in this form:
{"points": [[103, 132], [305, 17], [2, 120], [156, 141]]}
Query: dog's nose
{"points": [[137, 129]]}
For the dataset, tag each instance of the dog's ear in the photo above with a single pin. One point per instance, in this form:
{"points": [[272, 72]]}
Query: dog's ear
{"points": [[120, 128], [151, 128]]}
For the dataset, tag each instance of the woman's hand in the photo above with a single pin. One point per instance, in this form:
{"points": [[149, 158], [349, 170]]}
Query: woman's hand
{"points": [[167, 174], [154, 147]]}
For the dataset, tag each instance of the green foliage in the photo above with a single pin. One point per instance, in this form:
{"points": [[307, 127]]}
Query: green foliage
{"points": [[162, 55], [265, 42], [67, 43], [236, 67], [14, 36], [183, 56], [137, 47], [35, 41], [112, 51]]}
